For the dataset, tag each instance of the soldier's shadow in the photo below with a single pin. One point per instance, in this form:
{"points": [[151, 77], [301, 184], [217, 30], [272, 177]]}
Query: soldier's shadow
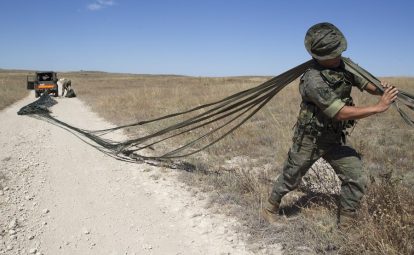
{"points": [[308, 200]]}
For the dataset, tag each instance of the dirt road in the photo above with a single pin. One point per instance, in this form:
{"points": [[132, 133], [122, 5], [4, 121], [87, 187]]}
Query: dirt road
{"points": [[62, 196]]}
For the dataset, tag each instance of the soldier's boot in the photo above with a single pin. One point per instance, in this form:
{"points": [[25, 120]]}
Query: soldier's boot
{"points": [[270, 212], [346, 220]]}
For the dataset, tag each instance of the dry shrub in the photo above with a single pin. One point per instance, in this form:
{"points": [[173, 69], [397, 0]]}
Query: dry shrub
{"points": [[314, 231], [385, 223]]}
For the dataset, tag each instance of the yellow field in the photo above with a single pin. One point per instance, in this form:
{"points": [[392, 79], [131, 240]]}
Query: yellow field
{"points": [[259, 148], [12, 87], [252, 157]]}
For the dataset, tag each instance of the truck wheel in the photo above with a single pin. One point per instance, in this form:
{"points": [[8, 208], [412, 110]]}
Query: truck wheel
{"points": [[37, 94], [56, 93]]}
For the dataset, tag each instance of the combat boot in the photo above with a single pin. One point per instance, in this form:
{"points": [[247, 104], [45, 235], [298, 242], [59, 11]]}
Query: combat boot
{"points": [[270, 212], [346, 220]]}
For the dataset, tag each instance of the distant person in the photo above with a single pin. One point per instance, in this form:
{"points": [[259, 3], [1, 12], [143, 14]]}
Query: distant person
{"points": [[66, 85], [326, 112]]}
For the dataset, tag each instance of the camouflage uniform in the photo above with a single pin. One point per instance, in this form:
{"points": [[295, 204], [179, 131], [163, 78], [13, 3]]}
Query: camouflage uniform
{"points": [[317, 134]]}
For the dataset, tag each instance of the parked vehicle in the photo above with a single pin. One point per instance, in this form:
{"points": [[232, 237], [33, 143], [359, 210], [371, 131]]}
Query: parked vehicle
{"points": [[43, 82]]}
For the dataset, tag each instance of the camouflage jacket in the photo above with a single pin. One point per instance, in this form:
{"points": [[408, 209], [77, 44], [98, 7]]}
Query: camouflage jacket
{"points": [[324, 92]]}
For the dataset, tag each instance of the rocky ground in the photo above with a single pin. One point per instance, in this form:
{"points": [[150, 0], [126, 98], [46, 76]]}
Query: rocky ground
{"points": [[58, 195]]}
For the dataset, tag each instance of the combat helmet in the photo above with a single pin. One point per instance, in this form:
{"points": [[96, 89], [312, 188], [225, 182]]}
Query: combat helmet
{"points": [[325, 41]]}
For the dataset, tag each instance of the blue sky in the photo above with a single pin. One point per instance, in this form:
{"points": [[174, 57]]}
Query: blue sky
{"points": [[199, 37]]}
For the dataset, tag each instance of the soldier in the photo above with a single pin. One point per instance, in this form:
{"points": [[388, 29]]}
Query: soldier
{"points": [[326, 111], [66, 85]]}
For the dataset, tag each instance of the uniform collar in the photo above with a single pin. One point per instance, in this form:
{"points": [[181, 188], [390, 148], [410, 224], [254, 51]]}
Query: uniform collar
{"points": [[319, 67]]}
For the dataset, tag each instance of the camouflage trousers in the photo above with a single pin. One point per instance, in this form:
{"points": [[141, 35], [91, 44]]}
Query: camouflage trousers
{"points": [[344, 160]]}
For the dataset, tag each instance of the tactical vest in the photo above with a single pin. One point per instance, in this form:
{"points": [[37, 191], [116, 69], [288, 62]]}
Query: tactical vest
{"points": [[312, 121]]}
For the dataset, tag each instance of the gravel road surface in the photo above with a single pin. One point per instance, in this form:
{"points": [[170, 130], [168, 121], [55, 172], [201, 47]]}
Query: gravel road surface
{"points": [[59, 195]]}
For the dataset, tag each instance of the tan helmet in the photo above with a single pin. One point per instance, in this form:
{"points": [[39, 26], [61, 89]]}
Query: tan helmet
{"points": [[325, 41]]}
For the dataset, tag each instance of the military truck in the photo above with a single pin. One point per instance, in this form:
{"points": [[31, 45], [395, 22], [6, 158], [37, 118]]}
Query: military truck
{"points": [[43, 82]]}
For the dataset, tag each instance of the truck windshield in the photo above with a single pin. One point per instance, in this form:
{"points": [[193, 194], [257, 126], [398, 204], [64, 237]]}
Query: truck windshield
{"points": [[44, 77]]}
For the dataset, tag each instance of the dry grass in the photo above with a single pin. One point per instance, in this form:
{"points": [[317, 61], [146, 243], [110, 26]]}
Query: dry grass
{"points": [[237, 173], [12, 87], [388, 220]]}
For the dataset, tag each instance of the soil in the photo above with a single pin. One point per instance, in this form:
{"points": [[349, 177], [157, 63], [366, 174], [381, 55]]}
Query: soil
{"points": [[59, 195]]}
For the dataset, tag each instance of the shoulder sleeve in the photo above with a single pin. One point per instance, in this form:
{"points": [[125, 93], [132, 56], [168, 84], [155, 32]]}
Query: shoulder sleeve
{"points": [[360, 82], [317, 91]]}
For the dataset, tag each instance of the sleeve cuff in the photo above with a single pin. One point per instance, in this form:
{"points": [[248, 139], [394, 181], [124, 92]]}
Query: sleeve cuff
{"points": [[334, 108], [362, 87]]}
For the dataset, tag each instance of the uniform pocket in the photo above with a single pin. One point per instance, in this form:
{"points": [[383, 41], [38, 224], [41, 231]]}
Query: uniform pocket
{"points": [[332, 78]]}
